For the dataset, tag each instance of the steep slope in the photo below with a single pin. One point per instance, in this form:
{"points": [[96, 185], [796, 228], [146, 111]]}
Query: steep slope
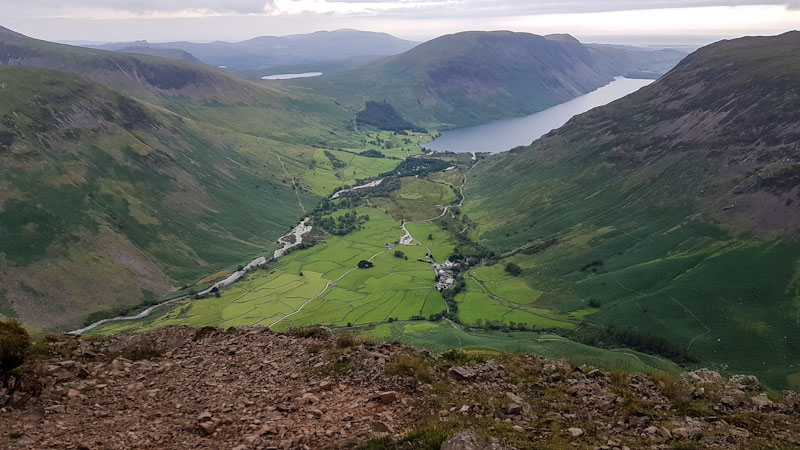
{"points": [[474, 77], [671, 212], [267, 51], [106, 202]]}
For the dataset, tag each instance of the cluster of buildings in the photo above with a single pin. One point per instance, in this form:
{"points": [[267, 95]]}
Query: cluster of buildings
{"points": [[445, 275]]}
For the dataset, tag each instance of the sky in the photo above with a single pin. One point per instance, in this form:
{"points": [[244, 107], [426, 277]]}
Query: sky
{"points": [[677, 22]]}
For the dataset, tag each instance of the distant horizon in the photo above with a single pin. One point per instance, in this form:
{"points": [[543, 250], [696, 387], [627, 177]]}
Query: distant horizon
{"points": [[642, 22], [634, 40]]}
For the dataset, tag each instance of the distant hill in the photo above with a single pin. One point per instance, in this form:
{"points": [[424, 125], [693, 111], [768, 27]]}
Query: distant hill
{"points": [[142, 76], [192, 90], [170, 53], [268, 51], [671, 212], [474, 77]]}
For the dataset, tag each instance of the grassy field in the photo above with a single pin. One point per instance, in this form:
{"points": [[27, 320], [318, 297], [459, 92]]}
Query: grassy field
{"points": [[323, 280], [479, 306], [443, 336], [417, 199]]}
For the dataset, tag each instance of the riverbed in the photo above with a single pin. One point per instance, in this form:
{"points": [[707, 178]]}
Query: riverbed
{"points": [[504, 135]]}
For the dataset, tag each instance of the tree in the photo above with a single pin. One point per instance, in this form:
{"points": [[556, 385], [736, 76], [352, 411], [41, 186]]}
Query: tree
{"points": [[430, 236], [364, 264], [513, 269], [399, 254], [240, 268]]}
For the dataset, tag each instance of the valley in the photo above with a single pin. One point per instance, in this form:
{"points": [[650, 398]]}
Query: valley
{"points": [[324, 284], [652, 228], [544, 240]]}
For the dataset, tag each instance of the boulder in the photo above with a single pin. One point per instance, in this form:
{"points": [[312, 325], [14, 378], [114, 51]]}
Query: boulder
{"points": [[389, 397], [747, 383], [701, 377], [464, 373], [575, 432], [761, 402]]}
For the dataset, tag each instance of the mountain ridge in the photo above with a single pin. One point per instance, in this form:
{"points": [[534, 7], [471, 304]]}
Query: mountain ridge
{"points": [[262, 52], [474, 77]]}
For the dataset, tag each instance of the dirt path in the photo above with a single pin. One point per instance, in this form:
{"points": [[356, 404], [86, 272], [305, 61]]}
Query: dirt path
{"points": [[294, 184]]}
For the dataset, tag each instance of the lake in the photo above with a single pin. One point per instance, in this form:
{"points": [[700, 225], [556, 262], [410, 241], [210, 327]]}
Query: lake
{"points": [[504, 135], [289, 76]]}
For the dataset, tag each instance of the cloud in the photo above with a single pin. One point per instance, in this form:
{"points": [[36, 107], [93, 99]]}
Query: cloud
{"points": [[39, 7], [437, 8], [481, 8]]}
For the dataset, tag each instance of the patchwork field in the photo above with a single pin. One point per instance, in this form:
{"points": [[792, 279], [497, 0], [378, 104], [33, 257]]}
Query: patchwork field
{"points": [[321, 284]]}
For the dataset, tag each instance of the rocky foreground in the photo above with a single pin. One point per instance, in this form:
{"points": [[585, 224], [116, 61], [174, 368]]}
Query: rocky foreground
{"points": [[251, 388]]}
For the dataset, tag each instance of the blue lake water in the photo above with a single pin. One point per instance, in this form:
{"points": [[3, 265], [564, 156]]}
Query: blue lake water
{"points": [[289, 76], [504, 135]]}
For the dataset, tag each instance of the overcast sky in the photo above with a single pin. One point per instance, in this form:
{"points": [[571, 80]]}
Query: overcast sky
{"points": [[622, 21]]}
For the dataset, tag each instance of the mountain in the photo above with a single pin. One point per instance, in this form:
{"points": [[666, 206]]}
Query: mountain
{"points": [[307, 388], [671, 213], [268, 51], [192, 90], [145, 77], [125, 177], [475, 77], [107, 202], [170, 53]]}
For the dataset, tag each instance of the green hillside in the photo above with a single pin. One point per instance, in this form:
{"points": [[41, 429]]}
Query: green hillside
{"points": [[107, 202], [475, 77], [669, 214]]}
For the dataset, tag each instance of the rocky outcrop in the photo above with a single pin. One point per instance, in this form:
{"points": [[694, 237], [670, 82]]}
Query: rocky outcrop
{"points": [[180, 387]]}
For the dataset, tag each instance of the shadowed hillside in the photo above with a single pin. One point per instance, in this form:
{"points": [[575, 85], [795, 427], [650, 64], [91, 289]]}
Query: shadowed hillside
{"points": [[475, 77]]}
